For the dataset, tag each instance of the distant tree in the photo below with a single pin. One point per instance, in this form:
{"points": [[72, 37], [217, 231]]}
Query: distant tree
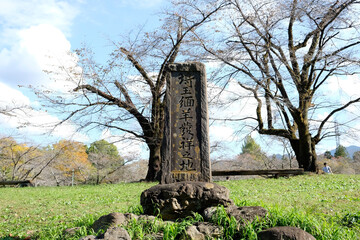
{"points": [[328, 155], [104, 147], [245, 161], [250, 146], [356, 156], [71, 161], [341, 152], [105, 158], [18, 161], [356, 162]]}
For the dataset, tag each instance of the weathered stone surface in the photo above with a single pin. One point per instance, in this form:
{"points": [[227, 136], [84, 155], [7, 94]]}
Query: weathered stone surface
{"points": [[208, 213], [209, 229], [71, 231], [192, 233], [110, 220], [155, 236], [285, 233], [116, 219], [241, 214], [202, 230], [112, 233], [179, 200], [116, 233], [246, 214], [147, 218], [185, 148], [130, 216]]}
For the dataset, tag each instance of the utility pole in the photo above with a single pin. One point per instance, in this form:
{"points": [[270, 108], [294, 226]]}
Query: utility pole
{"points": [[72, 179], [337, 135]]}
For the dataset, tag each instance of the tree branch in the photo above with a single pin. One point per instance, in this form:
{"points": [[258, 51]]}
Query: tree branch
{"points": [[144, 122], [124, 92], [317, 137], [141, 70]]}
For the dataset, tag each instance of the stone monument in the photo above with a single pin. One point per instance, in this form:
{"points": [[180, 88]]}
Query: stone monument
{"points": [[185, 149]]}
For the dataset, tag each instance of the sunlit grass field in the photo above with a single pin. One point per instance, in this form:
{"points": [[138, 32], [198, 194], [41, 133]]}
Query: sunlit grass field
{"points": [[327, 206]]}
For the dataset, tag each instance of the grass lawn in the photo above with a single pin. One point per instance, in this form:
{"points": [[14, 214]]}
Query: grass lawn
{"points": [[328, 204]]}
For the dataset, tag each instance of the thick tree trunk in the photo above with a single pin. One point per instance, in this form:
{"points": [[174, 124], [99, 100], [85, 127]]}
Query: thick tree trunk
{"points": [[154, 173], [97, 177], [305, 153], [304, 146], [154, 140]]}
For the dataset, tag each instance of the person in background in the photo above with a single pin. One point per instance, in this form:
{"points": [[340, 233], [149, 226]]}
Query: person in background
{"points": [[326, 169]]}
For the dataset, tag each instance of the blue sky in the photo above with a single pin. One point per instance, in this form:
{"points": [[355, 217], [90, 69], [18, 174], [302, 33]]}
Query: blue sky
{"points": [[98, 21], [38, 34], [35, 34]]}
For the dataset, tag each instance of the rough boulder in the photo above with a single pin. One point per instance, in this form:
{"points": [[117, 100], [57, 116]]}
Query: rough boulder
{"points": [[289, 233], [181, 199]]}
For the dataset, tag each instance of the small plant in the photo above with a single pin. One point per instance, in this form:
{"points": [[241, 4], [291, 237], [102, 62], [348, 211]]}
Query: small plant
{"points": [[135, 229], [136, 209], [351, 219], [143, 229], [229, 224], [170, 231]]}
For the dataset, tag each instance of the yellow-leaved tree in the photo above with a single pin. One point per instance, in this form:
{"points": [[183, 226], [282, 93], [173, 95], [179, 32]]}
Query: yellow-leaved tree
{"points": [[71, 162], [17, 160]]}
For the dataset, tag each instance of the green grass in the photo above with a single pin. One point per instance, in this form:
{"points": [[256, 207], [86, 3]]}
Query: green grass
{"points": [[323, 194], [327, 206], [50, 209]]}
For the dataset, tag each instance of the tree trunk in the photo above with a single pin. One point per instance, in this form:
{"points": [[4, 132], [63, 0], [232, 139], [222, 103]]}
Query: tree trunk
{"points": [[304, 146], [154, 173], [305, 154], [154, 139], [97, 177]]}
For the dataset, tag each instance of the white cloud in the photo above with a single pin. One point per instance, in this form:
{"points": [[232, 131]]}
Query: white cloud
{"points": [[31, 121], [52, 52], [42, 41], [221, 133], [139, 89], [339, 91], [40, 48], [20, 14], [33, 38], [232, 102], [344, 87], [12, 97], [213, 65], [42, 123], [18, 67]]}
